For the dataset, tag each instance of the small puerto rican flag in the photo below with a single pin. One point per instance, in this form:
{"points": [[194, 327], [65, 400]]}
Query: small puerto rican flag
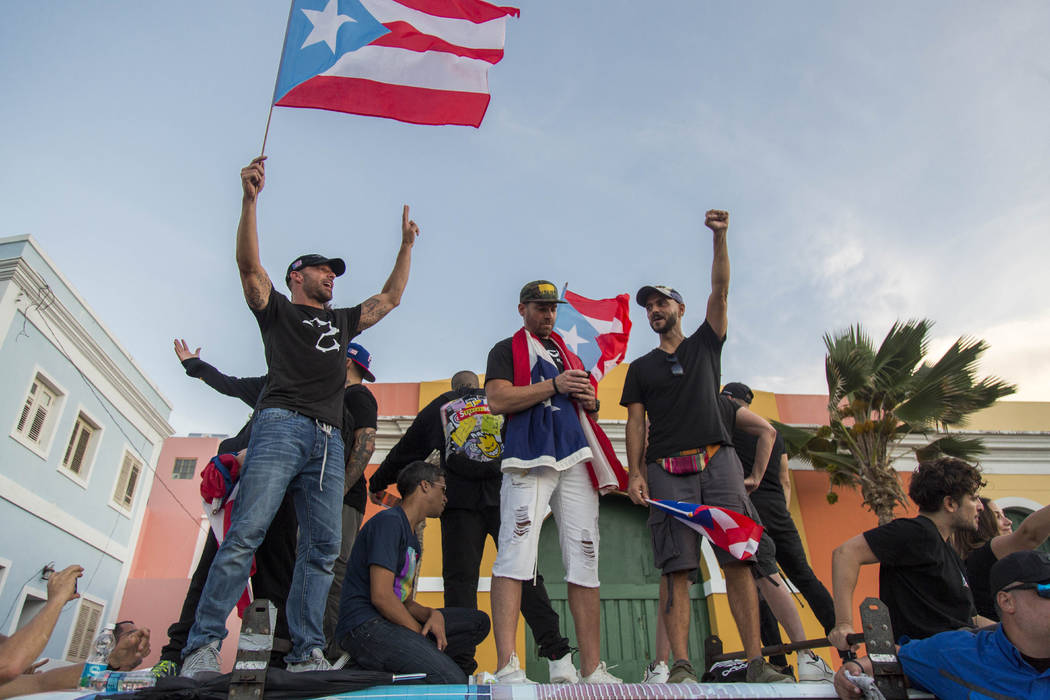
{"points": [[734, 532]]}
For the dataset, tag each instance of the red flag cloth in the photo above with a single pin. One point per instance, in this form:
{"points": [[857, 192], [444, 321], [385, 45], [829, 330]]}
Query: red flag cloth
{"points": [[732, 531], [218, 492], [597, 330], [418, 61]]}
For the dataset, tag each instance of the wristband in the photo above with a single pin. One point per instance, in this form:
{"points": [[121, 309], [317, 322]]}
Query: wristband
{"points": [[554, 383]]}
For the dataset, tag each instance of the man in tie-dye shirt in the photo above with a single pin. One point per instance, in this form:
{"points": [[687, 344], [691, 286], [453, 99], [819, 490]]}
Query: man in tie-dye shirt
{"points": [[380, 625]]}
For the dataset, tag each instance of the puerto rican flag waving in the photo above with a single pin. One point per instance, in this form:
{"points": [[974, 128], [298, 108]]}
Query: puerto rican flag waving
{"points": [[596, 330], [732, 531], [418, 61]]}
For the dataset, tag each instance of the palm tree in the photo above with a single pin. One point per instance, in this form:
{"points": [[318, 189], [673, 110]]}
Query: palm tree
{"points": [[879, 396]]}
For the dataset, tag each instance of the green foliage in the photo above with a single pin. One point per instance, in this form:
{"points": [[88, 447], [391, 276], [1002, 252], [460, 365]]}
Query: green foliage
{"points": [[879, 396]]}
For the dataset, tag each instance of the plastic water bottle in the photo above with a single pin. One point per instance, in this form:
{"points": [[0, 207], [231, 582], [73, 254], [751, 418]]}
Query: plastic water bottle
{"points": [[97, 662], [124, 681]]}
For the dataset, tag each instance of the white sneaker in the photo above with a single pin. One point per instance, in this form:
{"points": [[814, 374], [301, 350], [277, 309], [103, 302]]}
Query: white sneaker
{"points": [[601, 675], [341, 662], [315, 662], [813, 668], [656, 672], [202, 660], [562, 670], [512, 672]]}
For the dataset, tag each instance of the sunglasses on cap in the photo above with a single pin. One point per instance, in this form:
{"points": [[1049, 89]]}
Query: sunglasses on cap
{"points": [[1042, 589]]}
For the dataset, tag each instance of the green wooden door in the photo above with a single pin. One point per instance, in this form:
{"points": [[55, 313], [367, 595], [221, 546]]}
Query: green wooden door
{"points": [[629, 593]]}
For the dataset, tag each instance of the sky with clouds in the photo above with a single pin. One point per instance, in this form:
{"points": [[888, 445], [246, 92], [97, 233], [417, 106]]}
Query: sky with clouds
{"points": [[880, 161]]}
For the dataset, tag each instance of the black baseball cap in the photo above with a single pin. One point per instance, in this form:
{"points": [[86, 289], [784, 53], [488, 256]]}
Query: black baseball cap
{"points": [[645, 292], [313, 260], [1028, 566], [740, 391], [539, 290]]}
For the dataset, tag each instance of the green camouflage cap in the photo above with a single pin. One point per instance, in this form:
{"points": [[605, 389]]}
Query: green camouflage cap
{"points": [[539, 290]]}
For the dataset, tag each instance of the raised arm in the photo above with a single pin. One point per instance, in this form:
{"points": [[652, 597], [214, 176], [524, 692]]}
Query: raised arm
{"points": [[19, 650], [637, 480], [754, 424], [376, 307], [254, 280], [1031, 533], [718, 303], [846, 561], [247, 389]]}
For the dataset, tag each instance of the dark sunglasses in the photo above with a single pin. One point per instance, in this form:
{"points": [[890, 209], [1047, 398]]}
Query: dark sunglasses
{"points": [[1042, 589], [676, 368]]}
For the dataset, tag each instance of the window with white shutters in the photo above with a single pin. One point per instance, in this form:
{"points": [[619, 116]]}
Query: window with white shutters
{"points": [[38, 407], [80, 447], [85, 629], [127, 482]]}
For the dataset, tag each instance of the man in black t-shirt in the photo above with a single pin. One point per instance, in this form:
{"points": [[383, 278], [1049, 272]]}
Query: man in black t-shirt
{"points": [[536, 381], [771, 494], [276, 555], [295, 444], [690, 455], [360, 419], [921, 578], [455, 420]]}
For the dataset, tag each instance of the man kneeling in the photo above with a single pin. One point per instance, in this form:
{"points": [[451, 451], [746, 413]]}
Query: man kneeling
{"points": [[380, 625]]}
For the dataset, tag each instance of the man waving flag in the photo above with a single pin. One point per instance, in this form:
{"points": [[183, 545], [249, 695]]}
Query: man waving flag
{"points": [[419, 61], [596, 330]]}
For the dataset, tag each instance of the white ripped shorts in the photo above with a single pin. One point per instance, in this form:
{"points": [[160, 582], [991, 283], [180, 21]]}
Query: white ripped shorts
{"points": [[574, 502]]}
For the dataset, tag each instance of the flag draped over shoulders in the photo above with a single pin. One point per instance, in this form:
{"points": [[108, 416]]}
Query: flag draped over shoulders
{"points": [[418, 61], [556, 432]]}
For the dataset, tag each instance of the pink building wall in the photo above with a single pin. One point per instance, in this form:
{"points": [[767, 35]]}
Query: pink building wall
{"points": [[169, 545]]}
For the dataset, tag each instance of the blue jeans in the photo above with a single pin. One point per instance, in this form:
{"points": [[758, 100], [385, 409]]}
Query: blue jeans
{"points": [[381, 645], [287, 452]]}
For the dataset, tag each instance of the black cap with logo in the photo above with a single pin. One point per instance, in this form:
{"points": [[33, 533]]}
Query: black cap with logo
{"points": [[313, 260], [539, 290], [648, 290]]}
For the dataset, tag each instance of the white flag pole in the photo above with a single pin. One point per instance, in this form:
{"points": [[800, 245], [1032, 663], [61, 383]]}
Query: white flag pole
{"points": [[277, 80]]}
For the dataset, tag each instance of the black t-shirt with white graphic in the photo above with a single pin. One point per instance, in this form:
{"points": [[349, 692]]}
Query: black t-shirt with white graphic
{"points": [[920, 578], [306, 355], [683, 408], [501, 359], [360, 411]]}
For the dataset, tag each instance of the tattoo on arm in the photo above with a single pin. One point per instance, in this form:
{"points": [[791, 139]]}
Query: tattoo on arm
{"points": [[257, 288], [373, 310], [360, 453]]}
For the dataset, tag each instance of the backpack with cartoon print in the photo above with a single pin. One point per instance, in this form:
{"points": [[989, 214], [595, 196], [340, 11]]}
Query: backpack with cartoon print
{"points": [[473, 437]]}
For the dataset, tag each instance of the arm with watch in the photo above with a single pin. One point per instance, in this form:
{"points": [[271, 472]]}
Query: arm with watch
{"points": [[506, 398]]}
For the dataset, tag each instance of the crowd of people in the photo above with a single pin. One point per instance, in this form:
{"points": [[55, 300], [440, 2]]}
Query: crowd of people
{"points": [[966, 593]]}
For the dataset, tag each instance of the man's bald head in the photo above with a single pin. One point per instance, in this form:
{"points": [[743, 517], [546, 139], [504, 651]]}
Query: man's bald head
{"points": [[464, 379]]}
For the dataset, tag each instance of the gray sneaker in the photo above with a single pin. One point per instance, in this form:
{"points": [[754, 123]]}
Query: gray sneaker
{"points": [[682, 672], [202, 660], [315, 662], [760, 671]]}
